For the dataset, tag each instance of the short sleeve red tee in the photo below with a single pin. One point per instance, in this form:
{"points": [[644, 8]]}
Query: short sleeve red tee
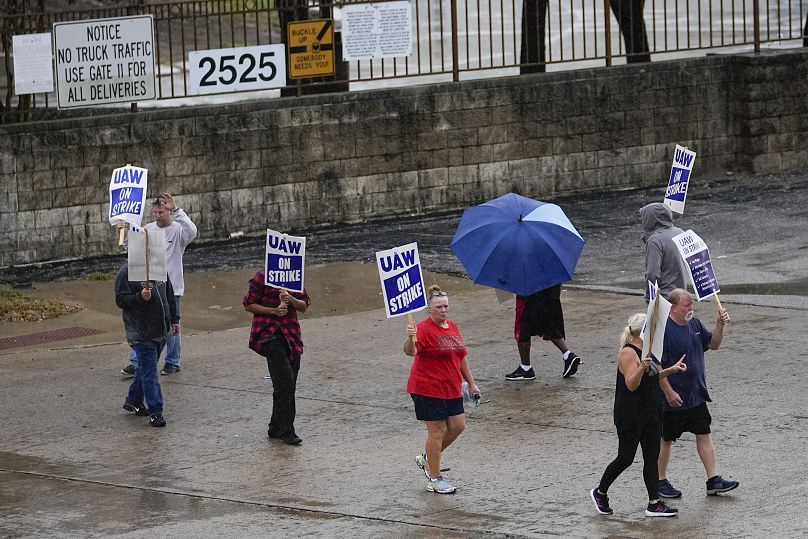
{"points": [[435, 372]]}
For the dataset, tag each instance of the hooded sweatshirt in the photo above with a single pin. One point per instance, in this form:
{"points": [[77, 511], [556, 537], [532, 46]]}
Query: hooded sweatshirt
{"points": [[662, 261], [145, 320]]}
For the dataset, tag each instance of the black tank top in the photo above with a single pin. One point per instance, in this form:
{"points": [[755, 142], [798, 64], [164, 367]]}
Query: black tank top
{"points": [[636, 406]]}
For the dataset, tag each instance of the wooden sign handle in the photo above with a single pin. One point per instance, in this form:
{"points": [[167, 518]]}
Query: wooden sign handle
{"points": [[411, 322], [121, 232], [146, 232], [718, 302]]}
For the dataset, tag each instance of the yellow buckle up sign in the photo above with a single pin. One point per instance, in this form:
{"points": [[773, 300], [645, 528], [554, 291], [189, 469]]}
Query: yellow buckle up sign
{"points": [[311, 48]]}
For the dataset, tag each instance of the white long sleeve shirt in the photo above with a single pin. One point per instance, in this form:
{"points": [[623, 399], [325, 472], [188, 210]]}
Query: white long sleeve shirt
{"points": [[179, 234]]}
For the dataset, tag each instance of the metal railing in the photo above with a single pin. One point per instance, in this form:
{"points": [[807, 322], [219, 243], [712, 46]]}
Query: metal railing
{"points": [[452, 39]]}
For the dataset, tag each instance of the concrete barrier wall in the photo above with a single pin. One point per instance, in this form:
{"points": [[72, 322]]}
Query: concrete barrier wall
{"points": [[318, 160]]}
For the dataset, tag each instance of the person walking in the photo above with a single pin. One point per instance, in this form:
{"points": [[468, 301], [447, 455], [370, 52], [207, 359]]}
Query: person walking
{"points": [[179, 231], [275, 334], [663, 264], [149, 317], [636, 416], [436, 376]]}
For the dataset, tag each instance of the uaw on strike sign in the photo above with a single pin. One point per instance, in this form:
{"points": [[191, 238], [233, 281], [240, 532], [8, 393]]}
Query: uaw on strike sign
{"points": [[284, 261], [402, 282], [682, 166]]}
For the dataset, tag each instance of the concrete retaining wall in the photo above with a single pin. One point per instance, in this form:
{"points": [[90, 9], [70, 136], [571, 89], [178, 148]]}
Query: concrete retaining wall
{"points": [[292, 163]]}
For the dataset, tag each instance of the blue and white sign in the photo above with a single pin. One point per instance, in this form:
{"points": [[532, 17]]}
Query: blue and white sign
{"points": [[402, 281], [127, 194], [676, 193], [697, 257], [285, 260]]}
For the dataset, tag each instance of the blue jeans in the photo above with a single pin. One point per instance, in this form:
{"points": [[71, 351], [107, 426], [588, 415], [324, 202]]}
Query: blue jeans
{"points": [[146, 383], [173, 345]]}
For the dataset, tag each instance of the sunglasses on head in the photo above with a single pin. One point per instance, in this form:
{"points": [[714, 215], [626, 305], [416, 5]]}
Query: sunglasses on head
{"points": [[438, 294], [159, 200]]}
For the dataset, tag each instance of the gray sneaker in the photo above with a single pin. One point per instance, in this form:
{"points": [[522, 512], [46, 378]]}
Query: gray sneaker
{"points": [[666, 490]]}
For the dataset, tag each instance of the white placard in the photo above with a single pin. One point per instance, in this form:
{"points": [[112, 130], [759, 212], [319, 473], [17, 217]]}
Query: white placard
{"points": [[104, 61], [676, 193], [372, 31], [284, 261], [136, 255], [127, 194], [33, 64], [402, 280], [658, 311], [234, 70]]}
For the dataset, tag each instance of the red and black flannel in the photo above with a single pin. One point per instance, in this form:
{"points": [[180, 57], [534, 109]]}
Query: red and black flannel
{"points": [[263, 327]]}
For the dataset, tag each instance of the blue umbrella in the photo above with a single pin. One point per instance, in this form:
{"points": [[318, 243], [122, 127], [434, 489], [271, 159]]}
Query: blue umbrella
{"points": [[517, 244]]}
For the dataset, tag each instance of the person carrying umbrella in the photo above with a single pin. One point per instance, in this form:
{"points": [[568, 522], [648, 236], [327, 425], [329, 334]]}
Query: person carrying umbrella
{"points": [[436, 376]]}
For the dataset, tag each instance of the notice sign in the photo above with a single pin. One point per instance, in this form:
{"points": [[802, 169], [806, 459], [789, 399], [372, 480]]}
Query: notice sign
{"points": [[697, 257], [402, 281], [371, 31], [127, 194], [285, 260], [104, 61], [33, 64], [676, 192], [311, 48]]}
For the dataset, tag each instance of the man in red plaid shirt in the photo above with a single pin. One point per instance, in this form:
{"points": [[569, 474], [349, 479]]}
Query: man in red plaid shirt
{"points": [[275, 334]]}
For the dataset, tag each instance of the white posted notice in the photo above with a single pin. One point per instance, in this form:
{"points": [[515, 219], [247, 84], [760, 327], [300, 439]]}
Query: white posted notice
{"points": [[371, 31], [33, 64], [104, 61]]}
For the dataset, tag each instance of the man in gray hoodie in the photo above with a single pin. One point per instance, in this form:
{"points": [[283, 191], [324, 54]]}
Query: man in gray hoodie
{"points": [[663, 264]]}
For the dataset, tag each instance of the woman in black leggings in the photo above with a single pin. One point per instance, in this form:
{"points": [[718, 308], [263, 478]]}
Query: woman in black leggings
{"points": [[637, 418]]}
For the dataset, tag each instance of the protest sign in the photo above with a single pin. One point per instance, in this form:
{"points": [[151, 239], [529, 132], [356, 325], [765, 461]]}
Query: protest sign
{"points": [[284, 261], [127, 194], [653, 331], [401, 279], [676, 192], [146, 264], [697, 257]]}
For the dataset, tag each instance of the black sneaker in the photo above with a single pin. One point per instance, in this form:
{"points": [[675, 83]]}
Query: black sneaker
{"points": [[168, 368], [601, 502], [666, 490], [717, 485], [128, 371], [659, 509], [521, 374], [139, 409], [157, 420], [291, 439], [571, 365]]}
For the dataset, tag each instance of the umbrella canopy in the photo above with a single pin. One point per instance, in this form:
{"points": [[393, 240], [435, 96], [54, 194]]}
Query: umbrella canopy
{"points": [[517, 244]]}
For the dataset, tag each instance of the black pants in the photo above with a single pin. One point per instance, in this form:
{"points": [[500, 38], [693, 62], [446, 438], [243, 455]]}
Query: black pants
{"points": [[284, 383], [630, 436]]}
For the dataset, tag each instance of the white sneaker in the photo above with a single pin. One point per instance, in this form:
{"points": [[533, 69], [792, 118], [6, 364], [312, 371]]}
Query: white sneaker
{"points": [[420, 460], [440, 485]]}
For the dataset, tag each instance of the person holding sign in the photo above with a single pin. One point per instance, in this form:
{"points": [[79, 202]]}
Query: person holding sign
{"points": [[275, 334], [636, 416], [149, 316], [686, 396], [436, 376], [663, 265]]}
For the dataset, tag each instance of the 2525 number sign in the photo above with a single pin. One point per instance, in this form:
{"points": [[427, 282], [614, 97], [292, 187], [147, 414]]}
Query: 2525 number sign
{"points": [[233, 70]]}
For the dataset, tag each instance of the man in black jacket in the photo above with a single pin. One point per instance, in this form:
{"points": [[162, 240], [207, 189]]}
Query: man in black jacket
{"points": [[149, 314]]}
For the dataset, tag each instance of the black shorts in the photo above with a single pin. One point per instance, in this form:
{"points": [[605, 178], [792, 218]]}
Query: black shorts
{"points": [[542, 315], [696, 420], [434, 409]]}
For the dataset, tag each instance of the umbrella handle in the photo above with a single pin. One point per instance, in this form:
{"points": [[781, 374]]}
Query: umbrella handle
{"points": [[411, 322]]}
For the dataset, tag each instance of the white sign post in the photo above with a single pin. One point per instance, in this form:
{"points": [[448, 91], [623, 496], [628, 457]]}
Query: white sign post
{"points": [[284, 261], [676, 193], [371, 31], [694, 252], [104, 61], [33, 64], [402, 281]]}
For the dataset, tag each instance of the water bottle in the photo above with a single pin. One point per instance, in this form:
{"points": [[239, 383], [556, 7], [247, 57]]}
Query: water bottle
{"points": [[471, 399]]}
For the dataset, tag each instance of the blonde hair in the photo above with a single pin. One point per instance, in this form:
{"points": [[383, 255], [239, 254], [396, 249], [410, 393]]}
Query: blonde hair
{"points": [[434, 291], [633, 329]]}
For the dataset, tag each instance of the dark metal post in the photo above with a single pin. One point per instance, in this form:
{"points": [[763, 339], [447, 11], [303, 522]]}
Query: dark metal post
{"points": [[607, 30], [756, 9], [455, 54]]}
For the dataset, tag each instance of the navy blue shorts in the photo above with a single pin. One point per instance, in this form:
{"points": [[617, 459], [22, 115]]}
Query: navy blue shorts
{"points": [[434, 409]]}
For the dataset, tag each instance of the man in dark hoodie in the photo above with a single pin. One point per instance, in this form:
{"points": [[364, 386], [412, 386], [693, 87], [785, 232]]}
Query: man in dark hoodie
{"points": [[149, 315], [663, 265]]}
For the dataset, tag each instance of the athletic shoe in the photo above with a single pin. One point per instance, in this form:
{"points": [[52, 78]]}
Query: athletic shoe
{"points": [[139, 409], [420, 460], [440, 485], [717, 485], [168, 368], [157, 420], [521, 374], [659, 509], [666, 490], [601, 502], [291, 439], [571, 365], [128, 371]]}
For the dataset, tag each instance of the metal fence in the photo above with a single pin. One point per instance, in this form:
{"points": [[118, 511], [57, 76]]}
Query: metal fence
{"points": [[452, 39]]}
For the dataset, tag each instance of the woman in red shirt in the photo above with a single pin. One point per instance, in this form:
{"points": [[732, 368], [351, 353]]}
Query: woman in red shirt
{"points": [[436, 376]]}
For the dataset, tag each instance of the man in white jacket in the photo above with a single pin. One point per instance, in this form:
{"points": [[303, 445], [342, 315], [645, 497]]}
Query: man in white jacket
{"points": [[179, 231]]}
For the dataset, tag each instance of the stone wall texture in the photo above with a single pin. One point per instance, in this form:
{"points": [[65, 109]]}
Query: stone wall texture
{"points": [[292, 163]]}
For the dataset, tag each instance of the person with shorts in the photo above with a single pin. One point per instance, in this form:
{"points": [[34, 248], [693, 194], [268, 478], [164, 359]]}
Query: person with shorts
{"points": [[541, 314], [686, 396], [636, 416], [436, 376]]}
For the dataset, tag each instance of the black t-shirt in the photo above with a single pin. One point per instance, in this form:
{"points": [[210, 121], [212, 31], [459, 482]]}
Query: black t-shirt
{"points": [[636, 406]]}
